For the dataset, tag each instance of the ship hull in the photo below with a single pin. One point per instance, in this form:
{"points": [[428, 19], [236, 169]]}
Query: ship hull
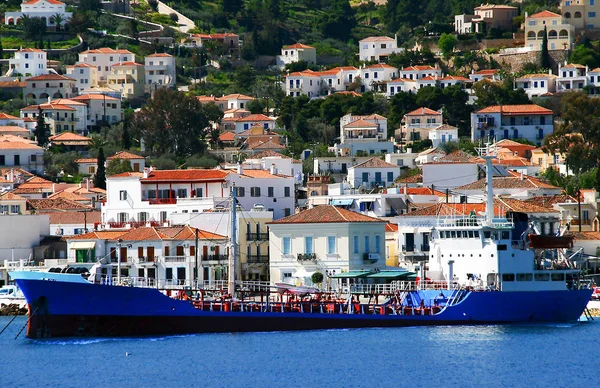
{"points": [[61, 309]]}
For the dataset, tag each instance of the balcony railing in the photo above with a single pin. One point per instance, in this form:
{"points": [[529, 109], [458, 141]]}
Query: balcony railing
{"points": [[215, 257], [162, 201], [258, 259], [175, 259], [307, 256], [371, 256], [257, 236], [147, 259]]}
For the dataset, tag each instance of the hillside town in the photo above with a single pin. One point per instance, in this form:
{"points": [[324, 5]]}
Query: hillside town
{"points": [[126, 132]]}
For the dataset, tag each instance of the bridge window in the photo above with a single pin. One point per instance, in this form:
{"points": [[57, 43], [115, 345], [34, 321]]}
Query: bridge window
{"points": [[471, 234], [487, 234], [542, 277], [476, 234], [558, 277], [505, 235], [524, 277], [508, 277]]}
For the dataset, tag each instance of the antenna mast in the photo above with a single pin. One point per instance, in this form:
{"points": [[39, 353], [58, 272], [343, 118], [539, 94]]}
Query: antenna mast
{"points": [[232, 242]]}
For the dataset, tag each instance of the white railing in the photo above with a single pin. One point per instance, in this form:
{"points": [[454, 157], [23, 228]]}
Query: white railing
{"points": [[175, 259]]}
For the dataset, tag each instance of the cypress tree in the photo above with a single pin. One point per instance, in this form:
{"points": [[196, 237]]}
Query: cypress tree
{"points": [[100, 177], [41, 128], [545, 55]]}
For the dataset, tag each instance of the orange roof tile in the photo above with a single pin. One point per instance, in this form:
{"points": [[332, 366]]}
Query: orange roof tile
{"points": [[13, 128], [423, 111], [10, 196], [54, 204], [185, 175], [419, 68], [159, 55], [227, 136], [69, 136], [298, 46], [487, 72], [98, 235], [255, 117], [236, 96], [86, 97], [266, 145], [6, 116], [124, 155], [360, 123], [389, 227], [378, 39], [74, 218], [375, 162], [325, 214], [127, 64], [545, 14], [87, 160], [525, 109], [50, 77]]}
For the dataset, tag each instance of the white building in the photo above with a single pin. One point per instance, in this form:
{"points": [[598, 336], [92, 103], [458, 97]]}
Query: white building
{"points": [[254, 120], [490, 74], [420, 71], [101, 107], [531, 122], [571, 77], [81, 112], [84, 74], [315, 84], [21, 153], [43, 87], [160, 71], [28, 62], [324, 239], [377, 48], [296, 53], [363, 134], [44, 9], [373, 173], [443, 134], [32, 229], [305, 82], [401, 85], [103, 58], [386, 203], [375, 77], [402, 159], [536, 85]]}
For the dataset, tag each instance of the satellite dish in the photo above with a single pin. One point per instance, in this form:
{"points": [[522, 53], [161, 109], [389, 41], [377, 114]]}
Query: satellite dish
{"points": [[59, 232]]}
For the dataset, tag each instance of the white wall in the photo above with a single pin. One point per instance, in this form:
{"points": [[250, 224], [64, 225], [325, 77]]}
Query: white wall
{"points": [[23, 232], [449, 175]]}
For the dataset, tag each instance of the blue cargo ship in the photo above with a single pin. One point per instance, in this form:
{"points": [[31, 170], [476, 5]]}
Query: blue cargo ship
{"points": [[481, 270]]}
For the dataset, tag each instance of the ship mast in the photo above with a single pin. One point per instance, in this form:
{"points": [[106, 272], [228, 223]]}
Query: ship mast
{"points": [[488, 154], [232, 243]]}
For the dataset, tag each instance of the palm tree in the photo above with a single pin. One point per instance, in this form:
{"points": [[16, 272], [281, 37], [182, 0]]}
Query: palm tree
{"points": [[57, 19]]}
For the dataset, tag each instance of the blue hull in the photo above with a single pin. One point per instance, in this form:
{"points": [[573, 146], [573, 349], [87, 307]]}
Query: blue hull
{"points": [[64, 309]]}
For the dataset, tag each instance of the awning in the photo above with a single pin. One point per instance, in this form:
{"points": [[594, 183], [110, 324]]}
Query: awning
{"points": [[390, 275], [341, 202], [397, 204], [302, 273], [350, 275], [82, 245]]}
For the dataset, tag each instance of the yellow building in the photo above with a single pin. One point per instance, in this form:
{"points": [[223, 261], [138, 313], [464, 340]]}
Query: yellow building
{"points": [[128, 79], [12, 203], [254, 243], [581, 14], [391, 242], [547, 160], [560, 33]]}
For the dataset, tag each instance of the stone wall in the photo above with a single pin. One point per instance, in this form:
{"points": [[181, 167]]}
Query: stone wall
{"points": [[515, 62]]}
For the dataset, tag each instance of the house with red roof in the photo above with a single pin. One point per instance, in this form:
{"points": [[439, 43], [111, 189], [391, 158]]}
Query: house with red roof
{"points": [[28, 62], [375, 77], [137, 162], [296, 53], [489, 74], [44, 9], [559, 32], [417, 124], [326, 239], [486, 16], [227, 41], [103, 59], [84, 74], [571, 77], [366, 133], [420, 71], [373, 173], [44, 87], [17, 152], [531, 122], [127, 78], [159, 71], [101, 109], [58, 117], [377, 48], [244, 123]]}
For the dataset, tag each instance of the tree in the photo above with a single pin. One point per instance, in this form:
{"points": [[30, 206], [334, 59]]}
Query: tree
{"points": [[126, 137], [57, 19], [42, 130], [586, 56], [544, 54], [232, 7], [117, 166], [447, 43], [578, 137], [173, 122], [34, 27], [244, 78], [100, 177]]}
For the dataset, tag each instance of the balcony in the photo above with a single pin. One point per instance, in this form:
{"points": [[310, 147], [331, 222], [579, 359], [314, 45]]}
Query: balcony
{"points": [[215, 257], [258, 259], [161, 201], [307, 257], [371, 256], [408, 248], [175, 259], [257, 236]]}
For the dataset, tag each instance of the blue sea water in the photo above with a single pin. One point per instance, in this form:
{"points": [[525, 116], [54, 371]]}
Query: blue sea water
{"points": [[467, 356]]}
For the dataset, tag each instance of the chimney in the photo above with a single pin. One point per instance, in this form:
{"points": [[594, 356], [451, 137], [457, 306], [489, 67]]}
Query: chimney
{"points": [[49, 99], [273, 169], [87, 184], [405, 189], [146, 172], [522, 177], [11, 176], [240, 169]]}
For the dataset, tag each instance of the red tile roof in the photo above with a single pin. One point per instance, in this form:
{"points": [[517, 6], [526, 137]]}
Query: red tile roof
{"points": [[391, 227], [159, 55], [185, 175], [236, 96], [419, 68], [325, 214], [106, 50], [125, 155], [516, 110], [10, 196], [56, 2], [487, 72], [54, 204], [98, 235], [375, 162], [227, 136], [87, 160], [378, 39], [6, 116], [69, 136], [298, 46], [545, 14], [48, 107], [423, 111], [422, 191], [360, 123], [13, 128], [255, 117], [127, 64], [547, 201], [87, 97], [511, 182], [264, 145], [50, 77], [418, 178], [522, 206], [75, 218]]}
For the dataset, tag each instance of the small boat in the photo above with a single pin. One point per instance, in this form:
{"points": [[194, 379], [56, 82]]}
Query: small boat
{"points": [[12, 295]]}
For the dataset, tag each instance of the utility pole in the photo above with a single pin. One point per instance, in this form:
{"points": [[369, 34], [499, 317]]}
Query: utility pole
{"points": [[119, 242], [196, 258], [233, 242]]}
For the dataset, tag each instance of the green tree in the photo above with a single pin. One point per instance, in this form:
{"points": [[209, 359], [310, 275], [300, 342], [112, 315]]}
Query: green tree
{"points": [[117, 166], [58, 19], [447, 43], [172, 122], [544, 54], [244, 79], [586, 56], [125, 136], [42, 130], [578, 137], [232, 7], [34, 27], [100, 177]]}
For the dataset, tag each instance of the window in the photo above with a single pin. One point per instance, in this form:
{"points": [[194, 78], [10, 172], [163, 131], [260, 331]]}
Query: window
{"points": [[123, 195], [255, 191], [524, 277], [508, 277], [308, 244], [532, 22], [591, 14], [270, 192], [287, 245], [365, 177], [377, 244], [287, 191], [557, 277], [122, 217], [367, 244], [15, 209], [142, 217], [240, 191], [355, 244], [163, 216], [92, 170], [331, 245], [390, 176], [287, 212], [542, 277], [181, 193]]}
